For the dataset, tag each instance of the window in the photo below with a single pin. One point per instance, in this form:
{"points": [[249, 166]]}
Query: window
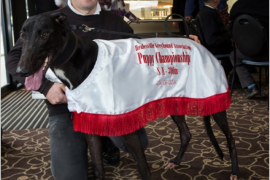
{"points": [[155, 9], [4, 80]]}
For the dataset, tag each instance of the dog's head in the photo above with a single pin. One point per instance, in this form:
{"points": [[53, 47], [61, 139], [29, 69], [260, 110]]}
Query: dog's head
{"points": [[42, 37]]}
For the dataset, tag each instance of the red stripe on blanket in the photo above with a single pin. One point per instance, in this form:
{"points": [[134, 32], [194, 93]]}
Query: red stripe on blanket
{"points": [[121, 124]]}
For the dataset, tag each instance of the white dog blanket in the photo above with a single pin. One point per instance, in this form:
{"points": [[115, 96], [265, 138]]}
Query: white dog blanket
{"points": [[135, 81]]}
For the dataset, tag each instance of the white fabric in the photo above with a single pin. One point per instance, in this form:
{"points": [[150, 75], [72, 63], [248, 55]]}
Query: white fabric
{"points": [[51, 77], [119, 83]]}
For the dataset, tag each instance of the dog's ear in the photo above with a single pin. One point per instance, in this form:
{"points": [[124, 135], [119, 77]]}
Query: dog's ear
{"points": [[60, 18]]}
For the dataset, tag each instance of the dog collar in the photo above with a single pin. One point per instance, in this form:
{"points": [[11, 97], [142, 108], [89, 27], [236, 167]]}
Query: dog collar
{"points": [[67, 51]]}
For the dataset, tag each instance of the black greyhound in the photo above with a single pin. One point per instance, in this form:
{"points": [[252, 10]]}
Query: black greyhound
{"points": [[53, 35]]}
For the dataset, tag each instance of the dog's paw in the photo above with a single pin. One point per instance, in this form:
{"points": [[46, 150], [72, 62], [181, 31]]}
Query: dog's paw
{"points": [[170, 165], [233, 177]]}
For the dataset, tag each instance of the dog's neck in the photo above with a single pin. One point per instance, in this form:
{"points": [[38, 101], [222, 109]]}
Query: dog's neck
{"points": [[67, 51], [76, 60]]}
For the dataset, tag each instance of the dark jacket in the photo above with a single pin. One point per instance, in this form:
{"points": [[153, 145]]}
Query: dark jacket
{"points": [[216, 36], [192, 5]]}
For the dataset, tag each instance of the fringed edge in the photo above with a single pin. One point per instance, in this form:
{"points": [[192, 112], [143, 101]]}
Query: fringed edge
{"points": [[121, 124]]}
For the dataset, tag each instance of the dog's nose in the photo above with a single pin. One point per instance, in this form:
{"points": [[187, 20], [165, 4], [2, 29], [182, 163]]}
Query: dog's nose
{"points": [[22, 72]]}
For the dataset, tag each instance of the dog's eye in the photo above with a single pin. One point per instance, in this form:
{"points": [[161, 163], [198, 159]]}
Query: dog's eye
{"points": [[44, 35], [22, 35]]}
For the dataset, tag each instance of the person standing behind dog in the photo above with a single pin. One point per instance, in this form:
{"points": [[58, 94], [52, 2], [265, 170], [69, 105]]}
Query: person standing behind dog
{"points": [[115, 6], [69, 159]]}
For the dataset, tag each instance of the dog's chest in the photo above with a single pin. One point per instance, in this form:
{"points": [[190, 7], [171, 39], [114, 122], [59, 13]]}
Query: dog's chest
{"points": [[61, 75]]}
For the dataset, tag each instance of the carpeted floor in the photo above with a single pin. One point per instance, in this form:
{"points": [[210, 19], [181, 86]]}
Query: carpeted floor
{"points": [[25, 153]]}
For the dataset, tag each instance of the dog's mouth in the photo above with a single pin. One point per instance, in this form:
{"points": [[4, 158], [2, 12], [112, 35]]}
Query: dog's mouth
{"points": [[34, 81]]}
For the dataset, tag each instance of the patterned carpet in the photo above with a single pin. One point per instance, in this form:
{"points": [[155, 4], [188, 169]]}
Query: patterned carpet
{"points": [[25, 153]]}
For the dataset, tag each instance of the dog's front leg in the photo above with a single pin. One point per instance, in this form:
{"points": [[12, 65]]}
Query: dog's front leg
{"points": [[95, 148], [134, 146], [185, 137], [221, 120]]}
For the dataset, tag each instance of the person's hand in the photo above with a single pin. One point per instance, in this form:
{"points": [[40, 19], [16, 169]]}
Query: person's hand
{"points": [[195, 38], [138, 20], [56, 94], [175, 24], [188, 18]]}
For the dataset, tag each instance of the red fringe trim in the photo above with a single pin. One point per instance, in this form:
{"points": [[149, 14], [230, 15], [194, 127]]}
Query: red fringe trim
{"points": [[117, 125]]}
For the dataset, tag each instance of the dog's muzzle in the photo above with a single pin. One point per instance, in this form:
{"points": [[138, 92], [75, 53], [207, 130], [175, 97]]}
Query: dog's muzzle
{"points": [[22, 72]]}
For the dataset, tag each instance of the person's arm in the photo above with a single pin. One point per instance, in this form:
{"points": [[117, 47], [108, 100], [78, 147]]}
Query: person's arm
{"points": [[124, 28], [127, 13], [189, 8], [195, 38], [131, 16]]}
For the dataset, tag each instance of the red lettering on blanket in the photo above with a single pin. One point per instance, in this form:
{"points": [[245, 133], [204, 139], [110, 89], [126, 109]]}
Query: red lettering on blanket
{"points": [[182, 46], [161, 71], [164, 45], [170, 71], [173, 58], [177, 58], [140, 57], [161, 46], [142, 46], [166, 82], [149, 59]]}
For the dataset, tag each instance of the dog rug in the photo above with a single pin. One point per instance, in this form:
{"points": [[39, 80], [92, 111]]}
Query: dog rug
{"points": [[135, 81]]}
